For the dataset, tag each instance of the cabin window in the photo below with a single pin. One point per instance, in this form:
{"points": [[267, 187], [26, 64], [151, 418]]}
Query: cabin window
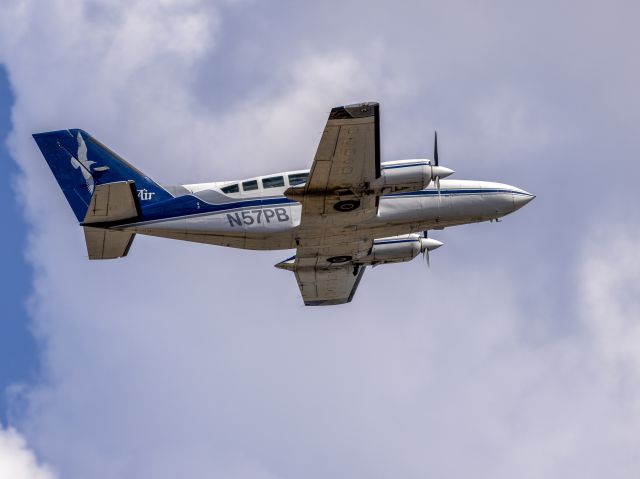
{"points": [[250, 185], [273, 181], [231, 189], [298, 178]]}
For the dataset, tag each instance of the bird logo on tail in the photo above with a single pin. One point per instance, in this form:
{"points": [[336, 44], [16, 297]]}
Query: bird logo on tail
{"points": [[83, 163]]}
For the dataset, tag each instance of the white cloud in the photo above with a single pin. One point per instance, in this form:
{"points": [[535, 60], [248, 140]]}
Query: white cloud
{"points": [[610, 293], [17, 461], [509, 125]]}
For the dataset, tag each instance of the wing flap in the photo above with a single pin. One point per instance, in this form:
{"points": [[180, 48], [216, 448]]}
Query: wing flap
{"points": [[319, 175]]}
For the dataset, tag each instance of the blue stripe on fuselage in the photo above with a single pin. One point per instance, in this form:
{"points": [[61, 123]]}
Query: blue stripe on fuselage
{"points": [[405, 165]]}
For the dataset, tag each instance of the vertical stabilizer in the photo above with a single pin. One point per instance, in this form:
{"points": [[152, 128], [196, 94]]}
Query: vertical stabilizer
{"points": [[79, 163]]}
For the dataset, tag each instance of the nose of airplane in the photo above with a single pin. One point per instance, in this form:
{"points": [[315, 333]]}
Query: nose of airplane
{"points": [[521, 198]]}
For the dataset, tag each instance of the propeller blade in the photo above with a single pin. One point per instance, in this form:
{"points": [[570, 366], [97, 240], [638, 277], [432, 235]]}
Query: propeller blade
{"points": [[435, 149], [425, 253], [426, 245]]}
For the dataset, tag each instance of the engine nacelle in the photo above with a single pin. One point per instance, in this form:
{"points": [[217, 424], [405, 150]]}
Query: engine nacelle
{"points": [[399, 249], [408, 175], [399, 176]]}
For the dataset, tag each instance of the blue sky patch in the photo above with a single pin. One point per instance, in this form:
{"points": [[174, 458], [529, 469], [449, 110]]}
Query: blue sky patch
{"points": [[18, 349]]}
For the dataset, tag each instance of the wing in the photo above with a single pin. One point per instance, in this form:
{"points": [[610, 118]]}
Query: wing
{"points": [[337, 196], [346, 164], [324, 287], [348, 155], [327, 271]]}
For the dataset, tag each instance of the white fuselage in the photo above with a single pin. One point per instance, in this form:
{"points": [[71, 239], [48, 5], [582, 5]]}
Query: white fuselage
{"points": [[264, 219]]}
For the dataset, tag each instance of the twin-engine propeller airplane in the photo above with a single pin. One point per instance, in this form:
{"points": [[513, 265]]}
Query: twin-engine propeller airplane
{"points": [[348, 212]]}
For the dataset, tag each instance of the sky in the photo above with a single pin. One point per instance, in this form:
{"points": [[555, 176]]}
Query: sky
{"points": [[515, 354], [19, 351]]}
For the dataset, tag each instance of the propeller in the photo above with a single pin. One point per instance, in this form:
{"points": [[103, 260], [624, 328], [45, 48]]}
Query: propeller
{"points": [[437, 163], [427, 257], [438, 171], [435, 148], [427, 244]]}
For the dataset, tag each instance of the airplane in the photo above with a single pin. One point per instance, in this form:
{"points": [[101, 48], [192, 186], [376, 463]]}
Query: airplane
{"points": [[349, 211]]}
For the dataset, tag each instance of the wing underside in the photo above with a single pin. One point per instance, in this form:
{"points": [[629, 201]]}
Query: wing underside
{"points": [[337, 195], [346, 164], [328, 286]]}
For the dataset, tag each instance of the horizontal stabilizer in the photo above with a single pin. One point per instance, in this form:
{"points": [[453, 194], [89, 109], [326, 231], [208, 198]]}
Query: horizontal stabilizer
{"points": [[107, 244], [112, 202]]}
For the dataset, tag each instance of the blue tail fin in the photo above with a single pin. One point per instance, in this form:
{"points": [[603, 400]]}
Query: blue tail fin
{"points": [[80, 162]]}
